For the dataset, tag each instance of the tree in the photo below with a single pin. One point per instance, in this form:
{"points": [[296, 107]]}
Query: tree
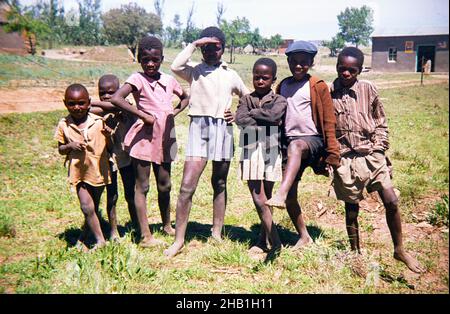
{"points": [[336, 43], [25, 24], [275, 41], [220, 12], [190, 33], [236, 33], [128, 24], [159, 7], [87, 30], [173, 34], [51, 13], [356, 25]]}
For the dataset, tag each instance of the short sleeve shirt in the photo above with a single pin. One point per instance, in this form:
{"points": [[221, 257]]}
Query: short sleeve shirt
{"points": [[91, 165]]}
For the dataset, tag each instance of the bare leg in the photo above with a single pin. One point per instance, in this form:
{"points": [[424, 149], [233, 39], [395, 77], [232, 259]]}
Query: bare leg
{"points": [[258, 189], [297, 151], [89, 197], [111, 200], [351, 224], [393, 220], [193, 168], [142, 172], [129, 181], [295, 213], [162, 175], [219, 184]]}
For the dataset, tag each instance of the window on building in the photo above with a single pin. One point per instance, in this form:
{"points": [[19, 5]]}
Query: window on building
{"points": [[392, 55]]}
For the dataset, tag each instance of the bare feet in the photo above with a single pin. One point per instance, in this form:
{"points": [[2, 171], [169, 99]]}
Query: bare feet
{"points": [[273, 254], [169, 230], [174, 249], [114, 236], [151, 242], [276, 201], [97, 246], [302, 242], [81, 247], [258, 249], [409, 261], [216, 235]]}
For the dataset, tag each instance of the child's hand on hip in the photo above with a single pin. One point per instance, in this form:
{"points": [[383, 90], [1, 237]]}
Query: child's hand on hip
{"points": [[228, 116], [148, 119]]}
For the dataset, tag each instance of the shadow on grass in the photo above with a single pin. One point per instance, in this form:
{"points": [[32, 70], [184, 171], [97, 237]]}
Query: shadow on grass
{"points": [[72, 234], [195, 231]]}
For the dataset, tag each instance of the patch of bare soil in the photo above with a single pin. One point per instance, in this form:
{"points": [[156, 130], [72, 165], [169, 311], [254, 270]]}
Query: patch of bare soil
{"points": [[18, 100], [428, 243]]}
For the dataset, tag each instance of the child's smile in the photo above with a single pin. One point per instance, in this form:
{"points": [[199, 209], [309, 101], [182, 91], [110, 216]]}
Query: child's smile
{"points": [[77, 103], [151, 61], [299, 64]]}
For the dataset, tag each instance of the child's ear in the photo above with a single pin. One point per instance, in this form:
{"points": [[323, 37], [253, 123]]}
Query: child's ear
{"points": [[162, 59]]}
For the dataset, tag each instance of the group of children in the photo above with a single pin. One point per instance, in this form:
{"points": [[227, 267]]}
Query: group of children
{"points": [[339, 131]]}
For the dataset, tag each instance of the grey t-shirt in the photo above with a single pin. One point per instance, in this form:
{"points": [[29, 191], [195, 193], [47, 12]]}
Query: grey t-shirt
{"points": [[299, 120]]}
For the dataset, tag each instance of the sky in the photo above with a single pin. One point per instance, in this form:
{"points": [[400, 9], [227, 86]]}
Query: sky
{"points": [[294, 19]]}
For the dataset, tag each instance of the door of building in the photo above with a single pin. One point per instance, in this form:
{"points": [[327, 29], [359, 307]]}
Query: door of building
{"points": [[428, 53]]}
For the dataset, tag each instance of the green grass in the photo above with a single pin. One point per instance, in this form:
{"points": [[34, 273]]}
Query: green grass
{"points": [[439, 214], [40, 217]]}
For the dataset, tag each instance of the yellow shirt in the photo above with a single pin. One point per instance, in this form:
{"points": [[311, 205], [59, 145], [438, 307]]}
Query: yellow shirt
{"points": [[91, 165]]}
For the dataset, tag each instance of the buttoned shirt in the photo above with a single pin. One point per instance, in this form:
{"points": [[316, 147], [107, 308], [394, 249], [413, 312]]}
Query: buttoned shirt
{"points": [[212, 86], [92, 164], [361, 124]]}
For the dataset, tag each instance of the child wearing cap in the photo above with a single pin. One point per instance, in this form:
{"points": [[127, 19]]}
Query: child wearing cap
{"points": [[212, 85], [362, 131], [309, 131]]}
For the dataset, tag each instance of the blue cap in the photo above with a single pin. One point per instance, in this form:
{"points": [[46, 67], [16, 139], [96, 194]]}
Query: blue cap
{"points": [[301, 46]]}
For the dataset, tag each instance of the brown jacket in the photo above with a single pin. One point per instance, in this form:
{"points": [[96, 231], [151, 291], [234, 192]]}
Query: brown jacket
{"points": [[323, 117]]}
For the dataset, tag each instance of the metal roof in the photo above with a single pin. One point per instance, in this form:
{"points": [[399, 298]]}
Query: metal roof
{"points": [[411, 31]]}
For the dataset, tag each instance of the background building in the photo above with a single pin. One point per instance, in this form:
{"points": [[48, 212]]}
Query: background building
{"points": [[395, 50]]}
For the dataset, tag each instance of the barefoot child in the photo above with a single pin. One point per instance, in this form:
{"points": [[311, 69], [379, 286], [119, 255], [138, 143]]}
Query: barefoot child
{"points": [[151, 139], [210, 135], [362, 131], [81, 137], [120, 122], [259, 115], [309, 131]]}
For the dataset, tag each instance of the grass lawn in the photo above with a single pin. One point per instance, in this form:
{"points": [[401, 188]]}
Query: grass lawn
{"points": [[40, 218]]}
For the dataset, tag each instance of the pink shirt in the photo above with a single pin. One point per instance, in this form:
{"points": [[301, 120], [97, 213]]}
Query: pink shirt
{"points": [[156, 143]]}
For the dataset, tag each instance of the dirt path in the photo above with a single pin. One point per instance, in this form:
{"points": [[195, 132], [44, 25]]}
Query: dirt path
{"points": [[17, 100]]}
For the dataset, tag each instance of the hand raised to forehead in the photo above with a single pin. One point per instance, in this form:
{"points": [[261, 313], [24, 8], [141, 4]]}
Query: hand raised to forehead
{"points": [[206, 40]]}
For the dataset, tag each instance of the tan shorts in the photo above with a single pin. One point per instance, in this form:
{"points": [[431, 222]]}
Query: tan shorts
{"points": [[358, 172]]}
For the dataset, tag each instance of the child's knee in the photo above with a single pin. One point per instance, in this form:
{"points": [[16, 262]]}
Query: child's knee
{"points": [[186, 191], [142, 187], [259, 201], [87, 209], [218, 183], [297, 147], [164, 187]]}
